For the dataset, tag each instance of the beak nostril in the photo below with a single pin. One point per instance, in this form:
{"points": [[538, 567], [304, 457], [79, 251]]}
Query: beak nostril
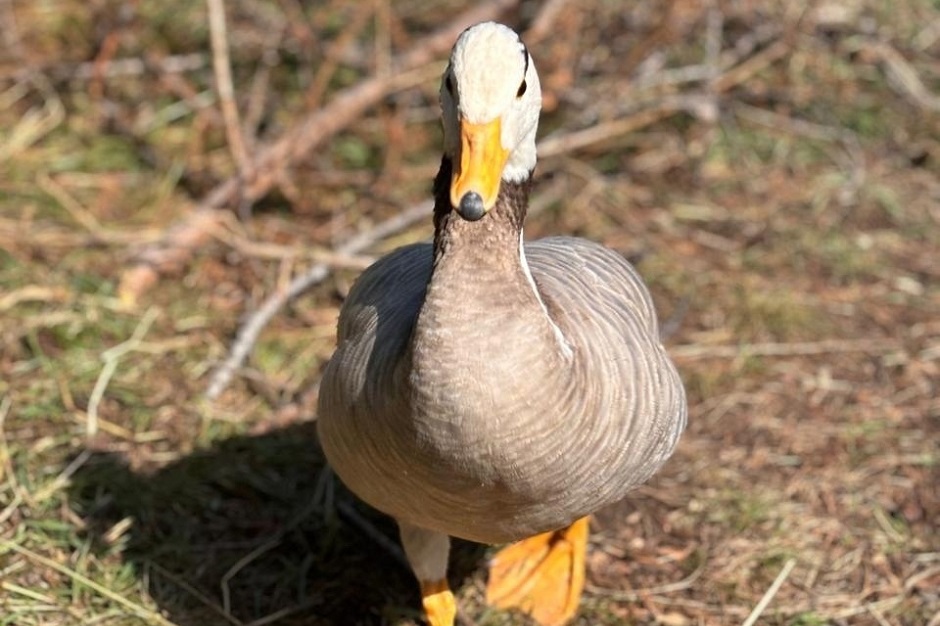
{"points": [[471, 206]]}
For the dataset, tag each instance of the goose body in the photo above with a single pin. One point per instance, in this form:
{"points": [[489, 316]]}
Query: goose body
{"points": [[487, 388], [463, 411]]}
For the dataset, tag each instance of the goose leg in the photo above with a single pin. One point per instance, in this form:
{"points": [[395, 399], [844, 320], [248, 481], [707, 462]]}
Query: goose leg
{"points": [[427, 552], [542, 575]]}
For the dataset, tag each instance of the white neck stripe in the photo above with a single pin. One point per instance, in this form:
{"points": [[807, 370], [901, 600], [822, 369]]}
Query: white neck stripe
{"points": [[559, 336]]}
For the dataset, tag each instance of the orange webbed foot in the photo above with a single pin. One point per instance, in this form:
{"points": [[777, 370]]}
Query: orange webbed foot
{"points": [[542, 575], [440, 608]]}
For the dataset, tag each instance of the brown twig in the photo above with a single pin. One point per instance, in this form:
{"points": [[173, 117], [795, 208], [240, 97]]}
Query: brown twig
{"points": [[109, 48], [904, 78], [273, 251], [714, 29], [192, 231], [637, 595], [221, 67], [258, 93], [752, 65], [579, 139], [770, 593], [807, 348]]}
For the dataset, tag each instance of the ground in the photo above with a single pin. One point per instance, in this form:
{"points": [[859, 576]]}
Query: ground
{"points": [[771, 168]]}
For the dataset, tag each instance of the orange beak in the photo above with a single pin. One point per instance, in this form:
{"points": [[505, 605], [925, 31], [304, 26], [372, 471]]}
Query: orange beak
{"points": [[479, 168]]}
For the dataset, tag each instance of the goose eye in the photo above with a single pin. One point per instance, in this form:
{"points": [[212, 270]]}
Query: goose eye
{"points": [[449, 83], [522, 89]]}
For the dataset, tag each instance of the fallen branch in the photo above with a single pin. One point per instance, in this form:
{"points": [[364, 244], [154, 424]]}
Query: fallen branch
{"points": [[580, 139], [183, 237], [809, 348], [770, 593], [903, 78], [222, 68], [273, 251], [638, 594], [112, 358]]}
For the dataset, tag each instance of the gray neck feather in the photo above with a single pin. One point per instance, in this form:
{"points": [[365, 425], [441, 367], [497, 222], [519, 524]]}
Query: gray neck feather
{"points": [[483, 344]]}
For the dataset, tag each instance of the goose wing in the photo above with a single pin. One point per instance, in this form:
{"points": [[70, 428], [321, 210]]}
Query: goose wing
{"points": [[374, 326], [623, 373]]}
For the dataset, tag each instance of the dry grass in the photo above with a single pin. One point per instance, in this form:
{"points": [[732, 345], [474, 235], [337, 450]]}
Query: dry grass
{"points": [[772, 167]]}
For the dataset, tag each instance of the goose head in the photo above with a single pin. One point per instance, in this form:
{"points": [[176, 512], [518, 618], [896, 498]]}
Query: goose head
{"points": [[490, 98]]}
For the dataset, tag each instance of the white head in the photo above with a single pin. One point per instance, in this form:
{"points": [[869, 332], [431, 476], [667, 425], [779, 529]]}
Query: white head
{"points": [[491, 100]]}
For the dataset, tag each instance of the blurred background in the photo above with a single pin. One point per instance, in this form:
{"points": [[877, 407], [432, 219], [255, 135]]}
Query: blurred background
{"points": [[169, 168]]}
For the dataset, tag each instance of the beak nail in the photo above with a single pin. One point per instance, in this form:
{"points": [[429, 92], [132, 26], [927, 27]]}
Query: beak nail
{"points": [[471, 206]]}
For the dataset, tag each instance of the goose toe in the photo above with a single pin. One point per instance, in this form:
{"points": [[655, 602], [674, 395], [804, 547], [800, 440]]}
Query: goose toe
{"points": [[542, 576]]}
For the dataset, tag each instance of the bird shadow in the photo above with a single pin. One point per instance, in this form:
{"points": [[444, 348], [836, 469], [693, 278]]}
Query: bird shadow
{"points": [[252, 530]]}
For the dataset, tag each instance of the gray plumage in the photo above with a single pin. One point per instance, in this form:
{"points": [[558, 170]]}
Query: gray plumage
{"points": [[485, 389], [452, 405]]}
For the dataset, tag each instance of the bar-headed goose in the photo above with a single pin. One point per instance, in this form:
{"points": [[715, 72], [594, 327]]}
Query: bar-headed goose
{"points": [[491, 389]]}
